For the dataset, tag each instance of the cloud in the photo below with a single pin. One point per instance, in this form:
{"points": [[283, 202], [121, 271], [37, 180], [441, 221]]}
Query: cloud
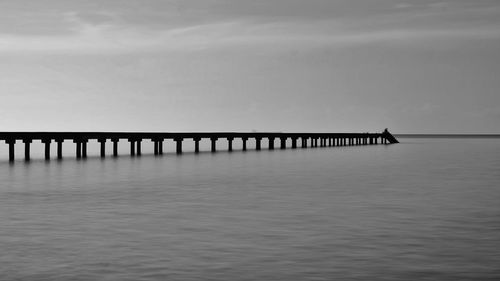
{"points": [[412, 35], [110, 37]]}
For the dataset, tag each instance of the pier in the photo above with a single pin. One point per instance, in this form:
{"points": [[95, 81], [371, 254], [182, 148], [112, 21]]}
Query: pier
{"points": [[80, 139]]}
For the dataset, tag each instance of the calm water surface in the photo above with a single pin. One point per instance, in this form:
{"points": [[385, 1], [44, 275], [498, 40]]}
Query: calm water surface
{"points": [[425, 209]]}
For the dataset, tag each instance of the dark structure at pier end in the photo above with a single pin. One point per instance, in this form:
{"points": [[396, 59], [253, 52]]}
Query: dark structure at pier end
{"points": [[80, 140]]}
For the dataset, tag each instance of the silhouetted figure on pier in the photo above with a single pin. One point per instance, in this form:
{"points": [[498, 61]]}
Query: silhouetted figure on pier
{"points": [[388, 137]]}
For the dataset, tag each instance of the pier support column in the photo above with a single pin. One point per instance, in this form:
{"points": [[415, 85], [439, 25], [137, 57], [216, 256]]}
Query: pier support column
{"points": [[330, 142], [47, 148], [11, 149], [59, 148], [257, 143], [230, 144], [84, 148], [197, 145], [178, 146], [103, 147], [271, 143], [294, 142], [78, 148], [115, 147], [139, 150], [304, 142], [244, 140], [283, 143], [155, 145], [132, 147], [160, 146], [214, 144], [27, 143]]}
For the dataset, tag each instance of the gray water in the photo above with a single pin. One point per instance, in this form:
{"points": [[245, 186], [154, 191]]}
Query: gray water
{"points": [[425, 209]]}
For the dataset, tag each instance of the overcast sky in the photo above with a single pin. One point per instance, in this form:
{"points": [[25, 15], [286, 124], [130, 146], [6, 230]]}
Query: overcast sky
{"points": [[414, 66]]}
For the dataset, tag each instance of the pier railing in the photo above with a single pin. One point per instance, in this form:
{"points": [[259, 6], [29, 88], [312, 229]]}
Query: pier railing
{"points": [[80, 140]]}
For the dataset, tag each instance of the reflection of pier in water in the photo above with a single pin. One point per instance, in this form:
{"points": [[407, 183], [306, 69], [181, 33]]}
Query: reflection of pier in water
{"points": [[80, 139]]}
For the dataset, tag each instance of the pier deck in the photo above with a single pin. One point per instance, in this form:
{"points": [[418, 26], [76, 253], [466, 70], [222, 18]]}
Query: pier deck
{"points": [[80, 139]]}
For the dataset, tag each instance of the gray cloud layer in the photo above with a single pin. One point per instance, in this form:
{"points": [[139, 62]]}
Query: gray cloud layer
{"points": [[326, 65], [92, 26]]}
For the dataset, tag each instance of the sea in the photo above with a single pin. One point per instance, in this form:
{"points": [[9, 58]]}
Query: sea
{"points": [[423, 209]]}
